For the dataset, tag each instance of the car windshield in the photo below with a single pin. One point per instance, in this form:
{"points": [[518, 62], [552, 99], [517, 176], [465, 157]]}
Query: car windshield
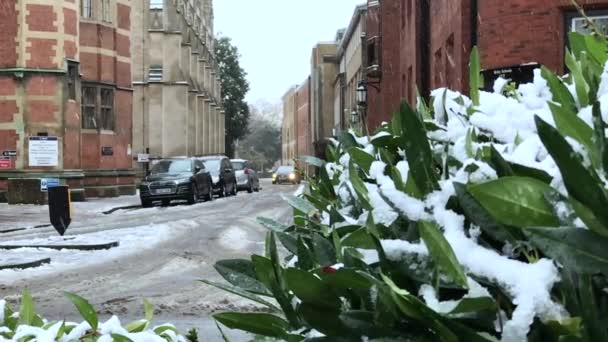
{"points": [[213, 165], [283, 170], [172, 166], [238, 166]]}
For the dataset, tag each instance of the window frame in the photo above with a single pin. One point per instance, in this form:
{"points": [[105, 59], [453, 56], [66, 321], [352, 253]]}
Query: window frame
{"points": [[109, 105], [106, 11], [85, 104], [89, 9]]}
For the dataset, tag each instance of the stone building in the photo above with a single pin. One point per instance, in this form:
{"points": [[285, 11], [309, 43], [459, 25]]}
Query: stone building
{"points": [[351, 59], [177, 109], [303, 117], [288, 127], [324, 70], [424, 44], [65, 94]]}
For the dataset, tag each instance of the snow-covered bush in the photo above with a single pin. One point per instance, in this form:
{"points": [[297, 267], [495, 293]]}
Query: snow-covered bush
{"points": [[476, 218], [26, 325]]}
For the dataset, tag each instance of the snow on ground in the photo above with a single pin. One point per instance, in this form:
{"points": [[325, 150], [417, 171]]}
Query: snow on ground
{"points": [[132, 240], [27, 216]]}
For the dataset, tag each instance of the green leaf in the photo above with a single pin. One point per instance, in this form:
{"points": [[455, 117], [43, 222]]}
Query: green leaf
{"points": [[255, 323], [588, 218], [417, 150], [359, 187], [305, 255], [581, 86], [241, 273], [314, 161], [480, 216], [579, 249], [347, 279], [161, 329], [271, 248], [361, 158], [516, 201], [310, 289], [86, 310], [137, 326], [582, 184], [475, 76], [474, 305], [120, 338], [469, 144], [300, 204], [324, 251], [148, 310], [272, 224], [594, 325], [240, 292], [27, 311], [441, 252], [569, 124], [289, 242], [359, 239], [560, 92]]}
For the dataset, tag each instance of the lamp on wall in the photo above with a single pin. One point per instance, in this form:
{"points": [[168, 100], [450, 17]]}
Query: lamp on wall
{"points": [[354, 117], [362, 94]]}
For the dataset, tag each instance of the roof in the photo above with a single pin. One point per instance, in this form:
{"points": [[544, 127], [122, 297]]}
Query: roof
{"points": [[239, 160], [211, 157]]}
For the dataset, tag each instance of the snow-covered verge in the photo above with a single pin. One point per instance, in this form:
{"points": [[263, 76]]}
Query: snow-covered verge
{"points": [[27, 325], [476, 218]]}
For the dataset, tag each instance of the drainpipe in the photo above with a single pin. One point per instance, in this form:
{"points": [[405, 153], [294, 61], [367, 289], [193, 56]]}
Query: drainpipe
{"points": [[474, 22]]}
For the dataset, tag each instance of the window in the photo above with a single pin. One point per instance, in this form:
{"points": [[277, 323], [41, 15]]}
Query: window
{"points": [[86, 8], [156, 73], [583, 25], [89, 96], [106, 11], [97, 108], [107, 109], [156, 4], [72, 78]]}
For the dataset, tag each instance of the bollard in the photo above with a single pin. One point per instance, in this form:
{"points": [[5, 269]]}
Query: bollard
{"points": [[59, 208]]}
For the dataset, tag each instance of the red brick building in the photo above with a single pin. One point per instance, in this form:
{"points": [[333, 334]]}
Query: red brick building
{"points": [[424, 44], [65, 94], [303, 119]]}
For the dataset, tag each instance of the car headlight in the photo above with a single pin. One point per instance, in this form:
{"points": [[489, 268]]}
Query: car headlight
{"points": [[215, 179], [182, 181], [274, 176], [292, 176]]}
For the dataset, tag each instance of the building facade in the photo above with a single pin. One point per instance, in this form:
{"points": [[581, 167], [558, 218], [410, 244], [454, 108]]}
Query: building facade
{"points": [[324, 70], [177, 109], [431, 47], [303, 118], [351, 59], [288, 128], [65, 94]]}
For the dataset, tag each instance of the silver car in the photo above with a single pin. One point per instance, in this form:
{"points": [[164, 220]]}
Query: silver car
{"points": [[246, 177]]}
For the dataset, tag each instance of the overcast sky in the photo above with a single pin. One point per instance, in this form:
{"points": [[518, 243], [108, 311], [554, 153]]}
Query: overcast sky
{"points": [[275, 37]]}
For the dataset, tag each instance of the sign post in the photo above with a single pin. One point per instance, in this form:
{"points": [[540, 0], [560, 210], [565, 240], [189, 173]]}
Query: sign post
{"points": [[59, 208], [43, 151]]}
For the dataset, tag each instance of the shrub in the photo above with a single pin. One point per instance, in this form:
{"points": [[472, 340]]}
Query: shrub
{"points": [[26, 325], [471, 219]]}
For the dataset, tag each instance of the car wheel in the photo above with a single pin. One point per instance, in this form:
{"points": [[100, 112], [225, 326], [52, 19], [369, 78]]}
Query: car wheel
{"points": [[166, 203], [146, 203], [209, 196], [193, 195]]}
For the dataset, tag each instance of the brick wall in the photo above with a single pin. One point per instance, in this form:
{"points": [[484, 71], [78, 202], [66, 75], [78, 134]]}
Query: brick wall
{"points": [[8, 32], [303, 119]]}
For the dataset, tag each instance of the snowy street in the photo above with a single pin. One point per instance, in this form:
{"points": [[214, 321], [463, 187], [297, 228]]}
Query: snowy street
{"points": [[163, 251]]}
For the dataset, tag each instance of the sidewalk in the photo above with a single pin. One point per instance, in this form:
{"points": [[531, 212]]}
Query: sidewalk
{"points": [[30, 216]]}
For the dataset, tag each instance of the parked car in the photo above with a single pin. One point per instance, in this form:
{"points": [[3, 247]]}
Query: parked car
{"points": [[176, 179], [222, 175], [246, 177], [286, 174]]}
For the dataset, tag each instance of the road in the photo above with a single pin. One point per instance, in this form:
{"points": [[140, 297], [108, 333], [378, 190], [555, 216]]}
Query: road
{"points": [[167, 274]]}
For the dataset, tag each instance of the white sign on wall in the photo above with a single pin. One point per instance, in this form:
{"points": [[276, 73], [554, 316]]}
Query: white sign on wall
{"points": [[43, 151]]}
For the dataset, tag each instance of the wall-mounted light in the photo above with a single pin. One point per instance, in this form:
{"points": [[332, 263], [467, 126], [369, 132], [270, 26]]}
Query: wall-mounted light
{"points": [[362, 94], [354, 117]]}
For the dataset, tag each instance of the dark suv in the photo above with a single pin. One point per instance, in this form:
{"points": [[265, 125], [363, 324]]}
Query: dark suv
{"points": [[176, 179], [222, 175]]}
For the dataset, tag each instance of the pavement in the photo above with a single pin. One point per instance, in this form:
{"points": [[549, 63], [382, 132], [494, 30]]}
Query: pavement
{"points": [[163, 253]]}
